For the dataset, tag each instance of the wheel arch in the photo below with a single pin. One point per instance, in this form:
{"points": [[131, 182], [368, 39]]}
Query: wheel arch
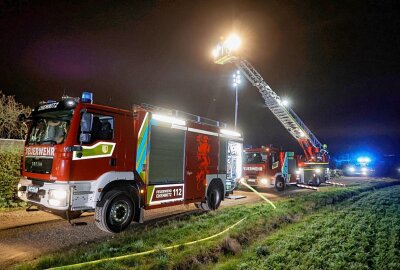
{"points": [[113, 180]]}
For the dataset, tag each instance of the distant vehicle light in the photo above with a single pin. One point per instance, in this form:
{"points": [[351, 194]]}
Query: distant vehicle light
{"points": [[363, 169], [87, 97], [363, 160], [230, 133], [351, 169]]}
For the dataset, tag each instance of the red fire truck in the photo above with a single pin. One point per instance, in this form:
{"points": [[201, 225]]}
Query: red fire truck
{"points": [[276, 168], [268, 167], [81, 156]]}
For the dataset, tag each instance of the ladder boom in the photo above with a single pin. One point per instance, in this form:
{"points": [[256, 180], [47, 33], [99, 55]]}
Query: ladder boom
{"points": [[284, 114]]}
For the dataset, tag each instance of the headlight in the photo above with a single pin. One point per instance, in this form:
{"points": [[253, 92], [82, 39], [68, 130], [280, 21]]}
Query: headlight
{"points": [[264, 181], [318, 170], [364, 169], [58, 197], [352, 169]]}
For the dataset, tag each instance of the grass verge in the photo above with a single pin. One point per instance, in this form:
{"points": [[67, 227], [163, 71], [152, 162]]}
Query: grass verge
{"points": [[200, 225], [362, 233]]}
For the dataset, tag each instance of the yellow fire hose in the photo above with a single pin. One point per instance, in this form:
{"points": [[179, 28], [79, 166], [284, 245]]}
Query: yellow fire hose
{"points": [[79, 265], [258, 193]]}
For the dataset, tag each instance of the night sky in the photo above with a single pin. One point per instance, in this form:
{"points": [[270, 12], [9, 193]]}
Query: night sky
{"points": [[338, 62]]}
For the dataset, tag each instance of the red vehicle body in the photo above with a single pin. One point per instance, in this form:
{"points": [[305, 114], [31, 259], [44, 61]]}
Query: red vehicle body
{"points": [[119, 163], [269, 167]]}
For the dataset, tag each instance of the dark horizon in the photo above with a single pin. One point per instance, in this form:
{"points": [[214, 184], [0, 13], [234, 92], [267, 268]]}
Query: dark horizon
{"points": [[338, 64]]}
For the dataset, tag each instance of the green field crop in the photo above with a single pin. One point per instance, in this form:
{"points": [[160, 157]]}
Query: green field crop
{"points": [[261, 221], [363, 233]]}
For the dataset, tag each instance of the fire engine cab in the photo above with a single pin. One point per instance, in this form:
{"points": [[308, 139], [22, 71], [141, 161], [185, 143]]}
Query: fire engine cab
{"points": [[268, 167], [81, 156]]}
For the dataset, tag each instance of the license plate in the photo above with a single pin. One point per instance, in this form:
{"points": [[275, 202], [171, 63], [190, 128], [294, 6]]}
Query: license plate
{"points": [[32, 189], [251, 180]]}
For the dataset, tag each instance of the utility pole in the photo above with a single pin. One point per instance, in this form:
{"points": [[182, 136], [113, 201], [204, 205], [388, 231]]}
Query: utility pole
{"points": [[236, 82]]}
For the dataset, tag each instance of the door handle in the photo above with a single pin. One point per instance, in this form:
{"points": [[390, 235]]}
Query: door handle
{"points": [[113, 162]]}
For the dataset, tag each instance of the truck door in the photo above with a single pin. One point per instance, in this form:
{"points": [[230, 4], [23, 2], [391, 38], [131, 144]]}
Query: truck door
{"points": [[99, 155], [274, 165], [201, 161]]}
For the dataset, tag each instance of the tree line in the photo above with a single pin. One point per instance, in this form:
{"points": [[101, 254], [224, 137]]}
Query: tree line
{"points": [[10, 126]]}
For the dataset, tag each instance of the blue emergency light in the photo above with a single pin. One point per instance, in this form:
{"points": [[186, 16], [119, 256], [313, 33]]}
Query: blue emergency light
{"points": [[363, 160], [87, 97]]}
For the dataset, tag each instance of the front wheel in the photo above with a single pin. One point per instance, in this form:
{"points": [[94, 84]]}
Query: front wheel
{"points": [[280, 183], [115, 211], [316, 181]]}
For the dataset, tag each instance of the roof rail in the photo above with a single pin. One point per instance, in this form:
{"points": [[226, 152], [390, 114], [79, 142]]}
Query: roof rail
{"points": [[183, 115]]}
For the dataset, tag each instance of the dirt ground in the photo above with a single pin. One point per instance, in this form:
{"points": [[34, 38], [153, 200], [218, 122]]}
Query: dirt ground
{"points": [[24, 236]]}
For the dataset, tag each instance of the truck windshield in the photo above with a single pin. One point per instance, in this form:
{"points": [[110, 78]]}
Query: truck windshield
{"points": [[254, 158], [50, 127]]}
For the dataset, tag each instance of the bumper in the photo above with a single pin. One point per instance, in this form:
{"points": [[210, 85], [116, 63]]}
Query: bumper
{"points": [[259, 182], [58, 196], [55, 195]]}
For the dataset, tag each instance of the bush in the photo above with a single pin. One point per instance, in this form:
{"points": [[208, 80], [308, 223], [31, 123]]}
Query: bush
{"points": [[9, 177]]}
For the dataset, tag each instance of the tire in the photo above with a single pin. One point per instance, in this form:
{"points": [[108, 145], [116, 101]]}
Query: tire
{"points": [[214, 197], [280, 183], [115, 211], [316, 181], [71, 214]]}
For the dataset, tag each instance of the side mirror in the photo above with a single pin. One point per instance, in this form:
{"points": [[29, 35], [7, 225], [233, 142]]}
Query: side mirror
{"points": [[85, 137], [86, 127], [86, 122]]}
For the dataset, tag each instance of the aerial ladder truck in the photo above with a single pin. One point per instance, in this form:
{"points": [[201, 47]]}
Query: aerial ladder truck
{"points": [[313, 167]]}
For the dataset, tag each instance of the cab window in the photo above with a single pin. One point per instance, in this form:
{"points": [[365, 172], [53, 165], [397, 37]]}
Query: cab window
{"points": [[102, 128], [274, 159]]}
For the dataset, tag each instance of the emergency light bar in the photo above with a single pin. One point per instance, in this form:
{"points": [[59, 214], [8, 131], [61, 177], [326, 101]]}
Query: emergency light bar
{"points": [[169, 119], [87, 97]]}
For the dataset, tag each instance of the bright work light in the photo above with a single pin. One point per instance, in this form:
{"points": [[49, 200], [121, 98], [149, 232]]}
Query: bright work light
{"points": [[233, 42], [168, 119], [230, 132]]}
